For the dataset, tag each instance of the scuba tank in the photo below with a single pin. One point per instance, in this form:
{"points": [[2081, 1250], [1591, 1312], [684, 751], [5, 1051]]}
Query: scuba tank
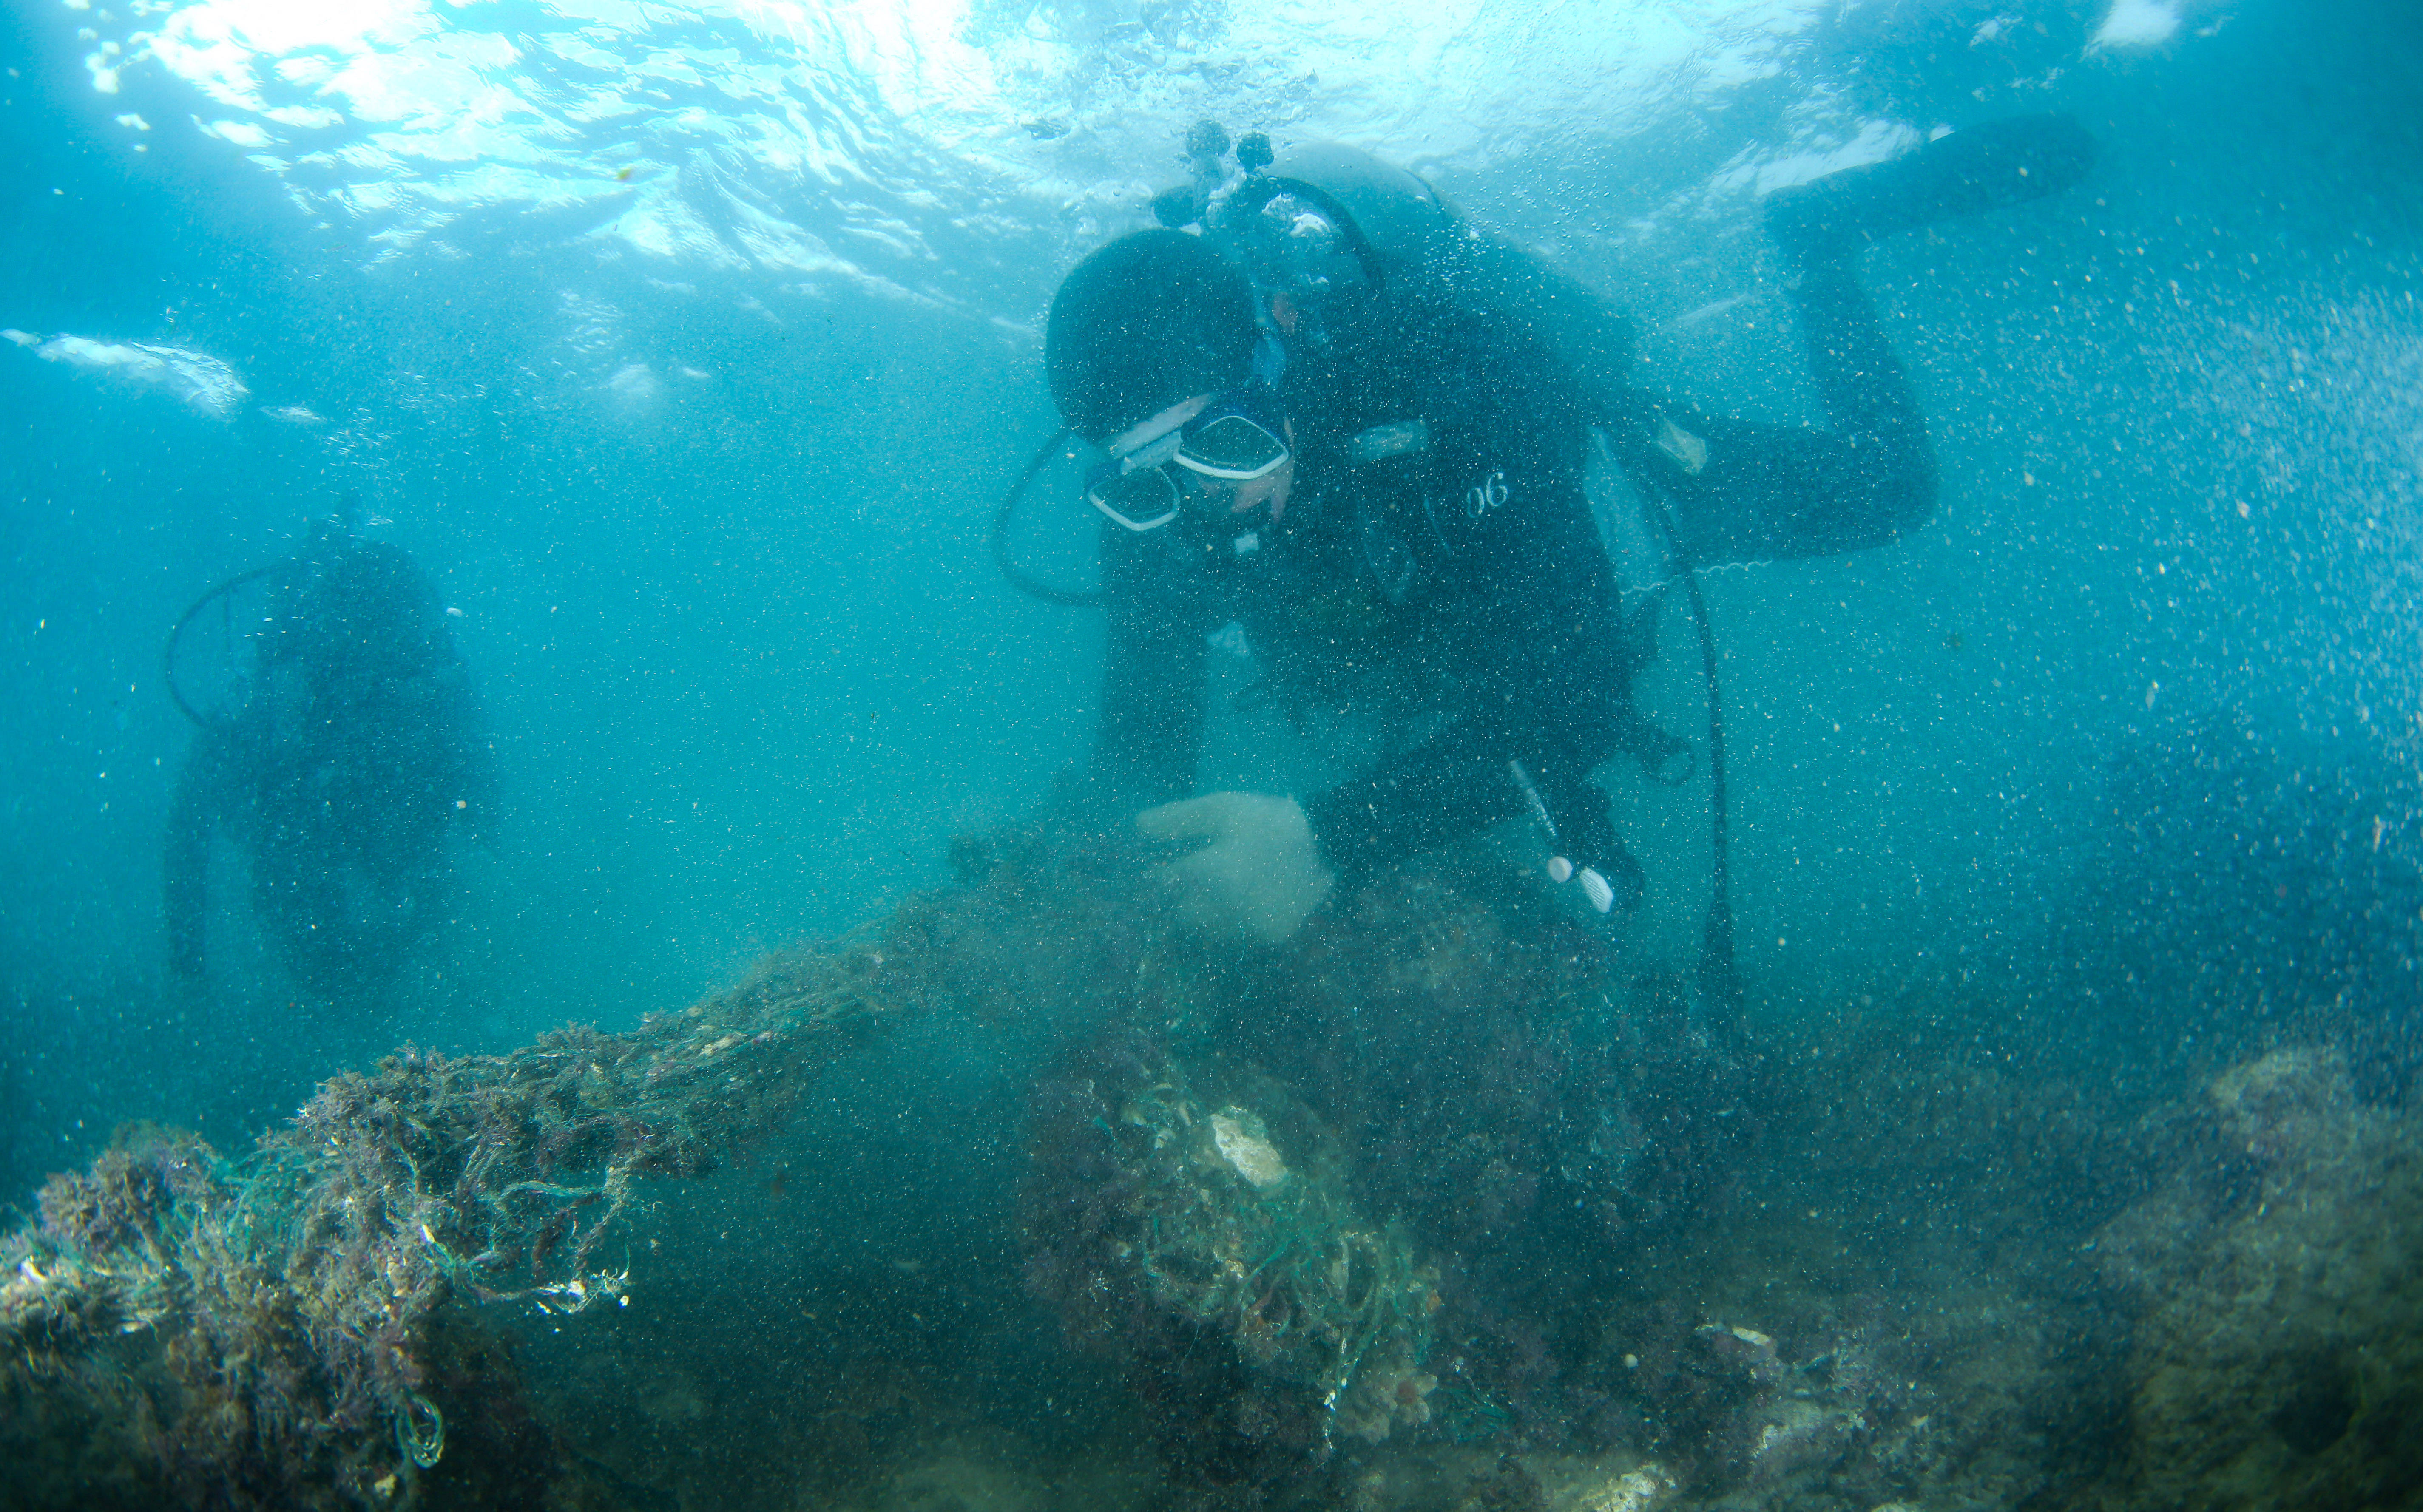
{"points": [[1394, 232]]}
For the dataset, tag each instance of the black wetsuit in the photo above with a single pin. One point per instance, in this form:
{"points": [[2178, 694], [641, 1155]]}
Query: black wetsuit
{"points": [[1464, 582], [358, 751]]}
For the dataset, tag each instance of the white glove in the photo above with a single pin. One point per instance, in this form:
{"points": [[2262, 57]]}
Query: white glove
{"points": [[1259, 875]]}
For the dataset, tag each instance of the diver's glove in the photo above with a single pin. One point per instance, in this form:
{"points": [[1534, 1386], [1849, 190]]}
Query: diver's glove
{"points": [[1258, 874], [1987, 167], [1585, 850]]}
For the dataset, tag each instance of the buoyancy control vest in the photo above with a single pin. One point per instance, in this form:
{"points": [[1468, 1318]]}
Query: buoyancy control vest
{"points": [[1398, 239]]}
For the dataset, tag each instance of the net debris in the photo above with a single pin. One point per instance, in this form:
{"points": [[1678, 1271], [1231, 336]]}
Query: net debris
{"points": [[266, 1331], [1223, 1232], [316, 1323], [322, 1322]]}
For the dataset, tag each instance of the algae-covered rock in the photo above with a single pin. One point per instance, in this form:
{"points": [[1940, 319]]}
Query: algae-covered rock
{"points": [[2278, 1362]]}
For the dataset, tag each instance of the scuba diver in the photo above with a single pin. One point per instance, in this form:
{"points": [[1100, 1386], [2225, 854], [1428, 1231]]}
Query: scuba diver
{"points": [[1334, 414], [346, 753]]}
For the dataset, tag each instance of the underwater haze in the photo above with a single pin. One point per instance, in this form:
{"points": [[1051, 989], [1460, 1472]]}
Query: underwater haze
{"points": [[689, 350]]}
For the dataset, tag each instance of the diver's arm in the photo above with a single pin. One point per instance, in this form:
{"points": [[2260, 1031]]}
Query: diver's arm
{"points": [[457, 720], [1743, 490], [1525, 617], [1540, 661], [1450, 785], [1153, 653], [1461, 781]]}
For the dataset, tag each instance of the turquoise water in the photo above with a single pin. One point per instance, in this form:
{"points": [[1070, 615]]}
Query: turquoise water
{"points": [[690, 349]]}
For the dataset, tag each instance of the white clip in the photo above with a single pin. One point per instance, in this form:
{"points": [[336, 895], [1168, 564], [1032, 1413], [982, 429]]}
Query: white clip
{"points": [[1594, 887]]}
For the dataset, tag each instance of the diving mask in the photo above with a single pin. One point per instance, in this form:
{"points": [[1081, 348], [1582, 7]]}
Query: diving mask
{"points": [[1196, 462]]}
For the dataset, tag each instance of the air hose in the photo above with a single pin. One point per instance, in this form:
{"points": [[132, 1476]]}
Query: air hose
{"points": [[168, 654], [1718, 980], [1066, 598]]}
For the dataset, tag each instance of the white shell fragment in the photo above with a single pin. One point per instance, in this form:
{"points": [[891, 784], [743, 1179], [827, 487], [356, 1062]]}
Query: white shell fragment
{"points": [[1247, 1152], [1635, 1491]]}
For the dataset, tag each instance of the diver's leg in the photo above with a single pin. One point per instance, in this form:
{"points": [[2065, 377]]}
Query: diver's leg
{"points": [[1992, 165], [1821, 227], [1867, 394], [1760, 492], [299, 896], [1744, 491], [408, 888]]}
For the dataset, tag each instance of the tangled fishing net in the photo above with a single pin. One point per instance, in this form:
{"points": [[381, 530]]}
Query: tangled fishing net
{"points": [[321, 1323], [1177, 1210], [264, 1331], [304, 1325]]}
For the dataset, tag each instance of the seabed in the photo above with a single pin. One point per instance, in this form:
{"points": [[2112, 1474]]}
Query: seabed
{"points": [[1438, 1209]]}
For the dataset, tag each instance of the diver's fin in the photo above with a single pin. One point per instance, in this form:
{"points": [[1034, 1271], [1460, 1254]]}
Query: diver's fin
{"points": [[1981, 168]]}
